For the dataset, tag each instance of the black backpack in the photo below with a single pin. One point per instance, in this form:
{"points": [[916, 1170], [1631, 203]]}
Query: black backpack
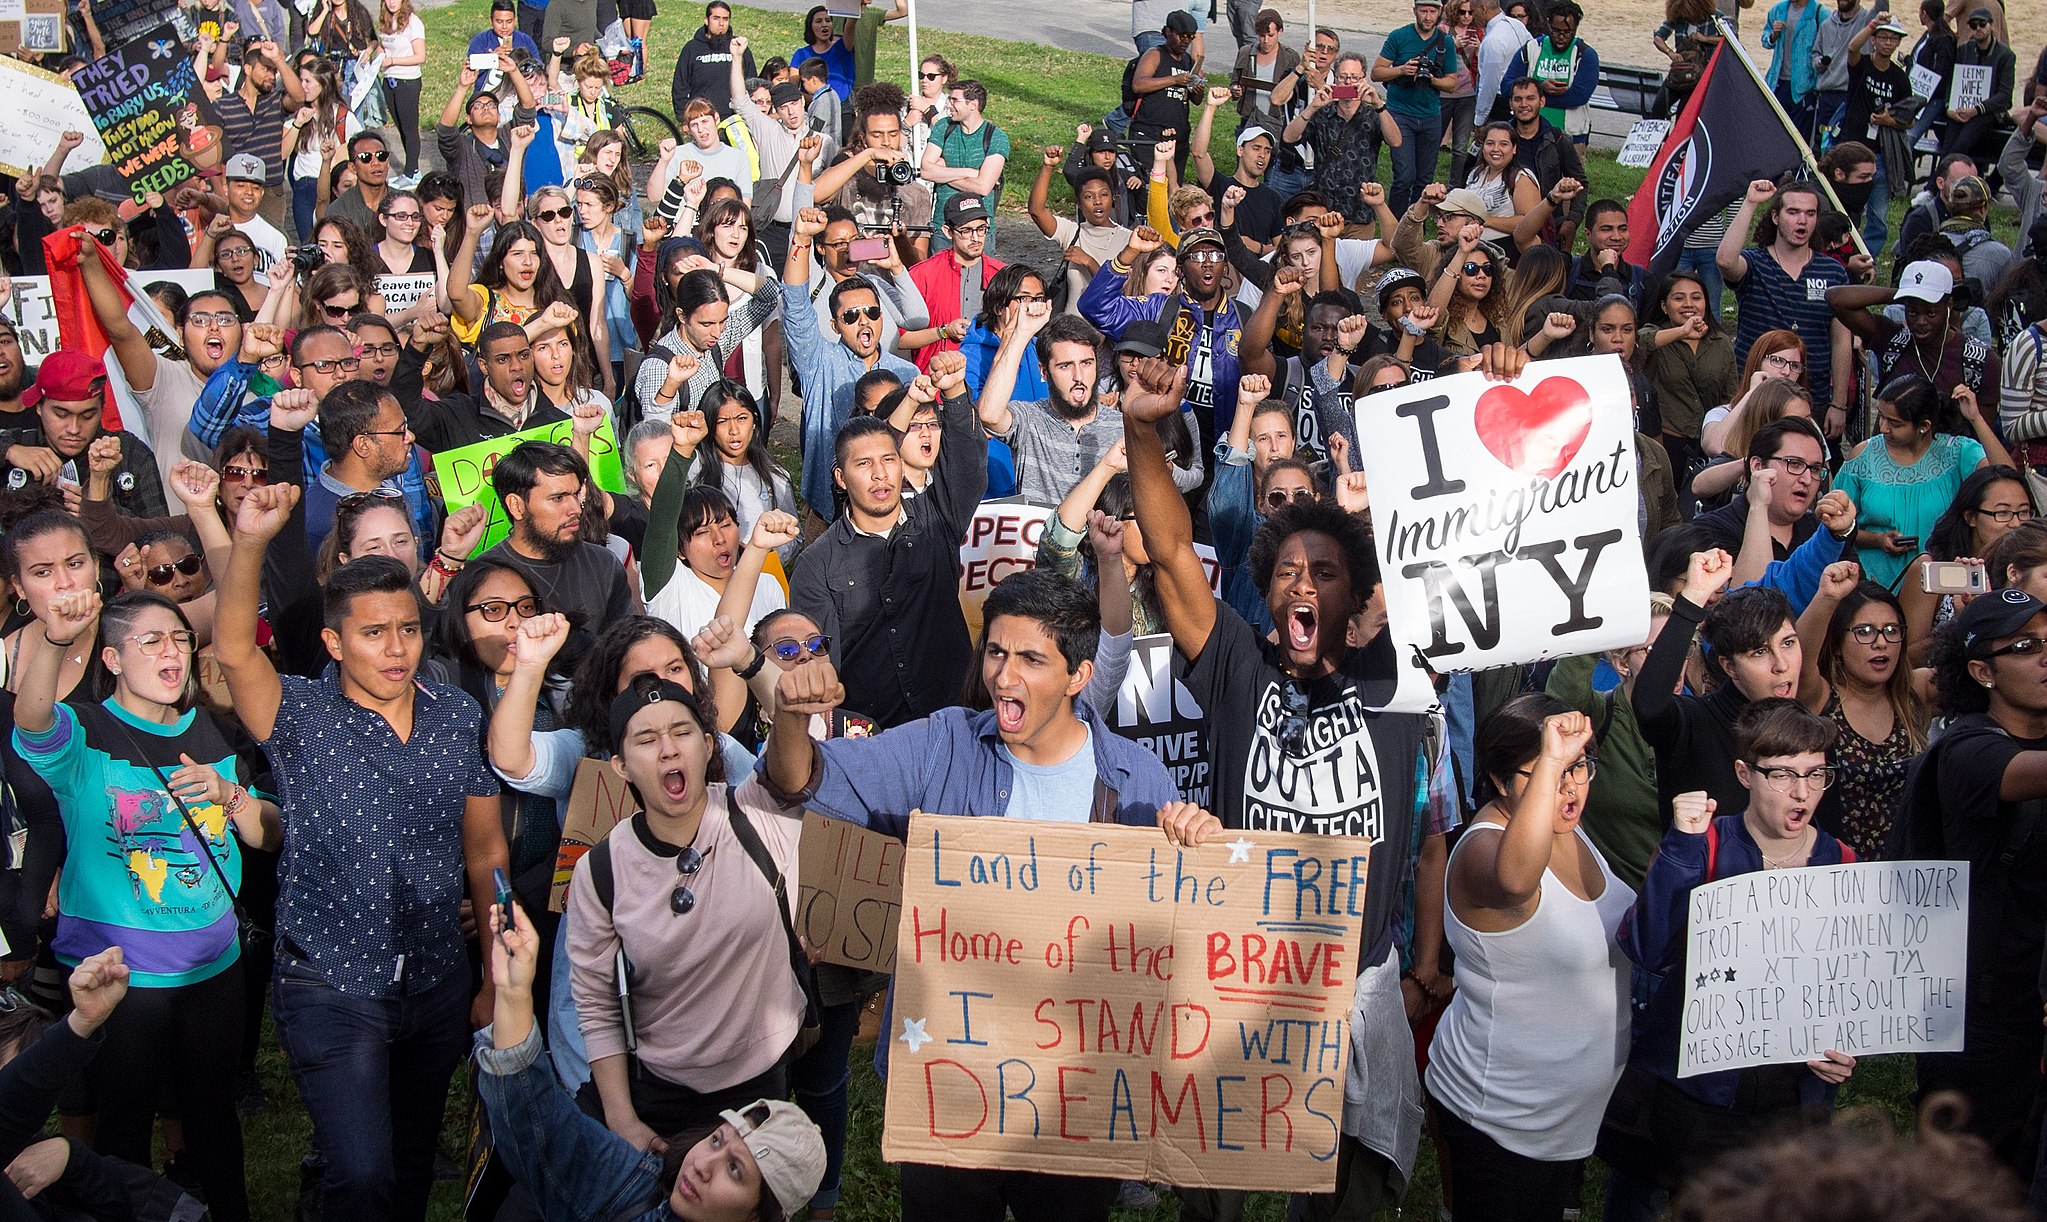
{"points": [[1916, 833]]}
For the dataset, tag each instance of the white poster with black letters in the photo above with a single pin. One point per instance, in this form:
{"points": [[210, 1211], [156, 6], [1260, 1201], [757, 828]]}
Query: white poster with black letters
{"points": [[1495, 495]]}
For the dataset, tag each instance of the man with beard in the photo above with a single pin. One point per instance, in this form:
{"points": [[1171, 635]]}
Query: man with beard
{"points": [[510, 402], [1203, 330], [13, 376], [1781, 283], [69, 395], [704, 69], [1059, 438], [540, 485], [1541, 148], [883, 581]]}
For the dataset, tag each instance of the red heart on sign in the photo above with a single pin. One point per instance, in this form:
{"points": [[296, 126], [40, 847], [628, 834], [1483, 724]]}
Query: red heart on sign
{"points": [[1535, 433]]}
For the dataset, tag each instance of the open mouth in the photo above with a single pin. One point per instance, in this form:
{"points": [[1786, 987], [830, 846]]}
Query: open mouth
{"points": [[1300, 627], [1009, 714], [1880, 662], [880, 493], [723, 560], [1786, 689], [675, 784], [172, 676], [215, 349], [1797, 817], [395, 674]]}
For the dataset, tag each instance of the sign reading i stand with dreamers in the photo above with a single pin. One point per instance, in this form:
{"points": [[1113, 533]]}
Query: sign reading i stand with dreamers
{"points": [[138, 95], [1783, 965], [1088, 999], [1489, 495]]}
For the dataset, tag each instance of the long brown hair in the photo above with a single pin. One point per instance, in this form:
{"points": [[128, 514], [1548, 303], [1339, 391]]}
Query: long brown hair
{"points": [[390, 22], [1909, 711]]}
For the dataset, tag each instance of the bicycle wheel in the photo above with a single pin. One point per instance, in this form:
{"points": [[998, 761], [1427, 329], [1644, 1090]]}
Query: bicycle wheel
{"points": [[644, 128]]}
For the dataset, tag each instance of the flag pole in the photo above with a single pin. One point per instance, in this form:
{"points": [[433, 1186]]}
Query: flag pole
{"points": [[1732, 40], [915, 63]]}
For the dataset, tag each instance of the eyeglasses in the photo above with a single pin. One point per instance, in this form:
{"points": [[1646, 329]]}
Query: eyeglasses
{"points": [[156, 644], [2024, 647], [400, 216], [1798, 468], [1785, 363], [384, 350], [494, 610], [931, 76], [346, 364], [1473, 267], [1866, 633], [223, 319], [232, 474], [1280, 498], [1573, 777], [272, 363], [375, 496], [2004, 517], [790, 650], [234, 252], [682, 900], [972, 231], [853, 314], [339, 311], [1206, 255], [1785, 780], [105, 237], [545, 215], [922, 426], [1293, 726], [161, 574], [1040, 297], [841, 244]]}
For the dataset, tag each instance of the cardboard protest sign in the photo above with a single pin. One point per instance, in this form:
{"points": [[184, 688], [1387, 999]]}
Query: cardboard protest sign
{"points": [[33, 309], [404, 292], [42, 107], [849, 893], [140, 98], [1003, 539], [598, 802], [1154, 708], [1489, 495], [463, 474], [1087, 999], [1782, 965]]}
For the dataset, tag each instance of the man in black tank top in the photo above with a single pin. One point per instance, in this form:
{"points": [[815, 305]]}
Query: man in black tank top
{"points": [[1162, 83]]}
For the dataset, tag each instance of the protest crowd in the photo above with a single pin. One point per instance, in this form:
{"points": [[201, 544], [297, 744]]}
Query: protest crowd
{"points": [[407, 468]]}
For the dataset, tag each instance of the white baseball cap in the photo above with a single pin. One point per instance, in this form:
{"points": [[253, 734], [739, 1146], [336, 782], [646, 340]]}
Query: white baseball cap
{"points": [[1925, 280]]}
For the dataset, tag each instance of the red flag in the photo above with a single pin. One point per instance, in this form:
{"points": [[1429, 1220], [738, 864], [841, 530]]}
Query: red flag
{"points": [[79, 329]]}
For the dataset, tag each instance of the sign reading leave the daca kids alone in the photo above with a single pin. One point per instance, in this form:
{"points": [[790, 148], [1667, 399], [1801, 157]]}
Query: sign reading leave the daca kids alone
{"points": [[1490, 495], [1088, 999], [1783, 965], [464, 473], [139, 94]]}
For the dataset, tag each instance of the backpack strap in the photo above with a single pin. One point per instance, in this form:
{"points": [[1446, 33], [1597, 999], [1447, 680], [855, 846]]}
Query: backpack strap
{"points": [[799, 962], [1712, 848], [598, 860]]}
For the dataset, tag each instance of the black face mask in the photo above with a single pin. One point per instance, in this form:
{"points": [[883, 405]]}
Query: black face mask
{"points": [[1854, 196]]}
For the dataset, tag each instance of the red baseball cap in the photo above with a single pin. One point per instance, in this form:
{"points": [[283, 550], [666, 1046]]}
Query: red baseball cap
{"points": [[68, 375]]}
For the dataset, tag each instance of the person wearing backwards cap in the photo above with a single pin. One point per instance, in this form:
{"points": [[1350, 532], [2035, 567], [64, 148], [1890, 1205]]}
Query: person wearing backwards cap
{"points": [[1973, 129], [1244, 204], [1985, 260], [68, 399], [757, 1160], [1975, 795], [1929, 342]]}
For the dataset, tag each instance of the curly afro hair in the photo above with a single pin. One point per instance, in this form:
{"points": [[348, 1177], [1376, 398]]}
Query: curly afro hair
{"points": [[1351, 533]]}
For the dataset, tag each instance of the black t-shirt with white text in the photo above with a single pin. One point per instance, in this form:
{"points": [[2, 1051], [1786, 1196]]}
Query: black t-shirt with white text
{"points": [[1868, 92]]}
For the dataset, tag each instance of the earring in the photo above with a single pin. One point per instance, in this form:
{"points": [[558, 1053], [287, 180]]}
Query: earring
{"points": [[21, 606]]}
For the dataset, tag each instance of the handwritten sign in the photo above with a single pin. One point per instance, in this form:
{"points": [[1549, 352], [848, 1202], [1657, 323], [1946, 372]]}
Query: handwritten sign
{"points": [[140, 98], [1925, 81], [33, 309], [1003, 539], [401, 293], [1644, 138], [31, 25], [126, 21], [1086, 999], [464, 473], [1490, 495], [1970, 86], [41, 107], [598, 801], [1782, 965], [849, 893], [1155, 709]]}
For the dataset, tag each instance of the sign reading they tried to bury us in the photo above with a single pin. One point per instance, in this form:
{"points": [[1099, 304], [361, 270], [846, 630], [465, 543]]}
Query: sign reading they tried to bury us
{"points": [[1088, 999]]}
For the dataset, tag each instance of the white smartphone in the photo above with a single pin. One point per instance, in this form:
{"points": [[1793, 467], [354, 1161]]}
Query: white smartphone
{"points": [[483, 61]]}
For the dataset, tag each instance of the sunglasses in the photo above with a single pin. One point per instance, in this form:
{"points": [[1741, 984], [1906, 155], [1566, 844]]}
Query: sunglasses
{"points": [[545, 215], [683, 900], [931, 76], [339, 311], [244, 475], [366, 158], [105, 237], [161, 574], [1979, 25], [494, 610], [1278, 498], [853, 314], [1475, 268], [817, 647], [1293, 725], [361, 500]]}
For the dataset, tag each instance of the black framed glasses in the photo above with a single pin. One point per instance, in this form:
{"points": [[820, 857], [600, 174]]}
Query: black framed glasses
{"points": [[1866, 633], [379, 155], [161, 574], [386, 349], [2005, 517], [494, 610], [853, 314], [1578, 774], [402, 216], [346, 364], [789, 650], [682, 901], [1799, 467], [1293, 722]]}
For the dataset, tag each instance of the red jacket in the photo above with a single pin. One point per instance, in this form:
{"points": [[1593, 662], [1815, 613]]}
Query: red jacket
{"points": [[938, 278]]}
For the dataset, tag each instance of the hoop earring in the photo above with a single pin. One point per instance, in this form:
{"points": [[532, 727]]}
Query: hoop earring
{"points": [[21, 606]]}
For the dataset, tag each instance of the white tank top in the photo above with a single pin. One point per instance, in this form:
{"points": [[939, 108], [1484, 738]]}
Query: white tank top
{"points": [[1536, 1036]]}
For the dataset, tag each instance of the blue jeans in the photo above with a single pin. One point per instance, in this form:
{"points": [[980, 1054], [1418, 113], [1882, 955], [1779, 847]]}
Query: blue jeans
{"points": [[1289, 182], [374, 1075], [1832, 105], [1876, 218], [818, 1079], [1699, 260], [305, 200], [1800, 112], [1414, 162]]}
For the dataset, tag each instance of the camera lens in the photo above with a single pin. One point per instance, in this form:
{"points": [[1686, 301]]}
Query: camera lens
{"points": [[899, 173]]}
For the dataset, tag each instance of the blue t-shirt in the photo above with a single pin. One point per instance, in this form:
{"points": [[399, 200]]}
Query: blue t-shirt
{"points": [[1769, 300], [1056, 793], [135, 876], [838, 62], [1418, 98]]}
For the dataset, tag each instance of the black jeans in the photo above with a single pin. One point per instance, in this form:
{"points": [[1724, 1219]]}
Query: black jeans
{"points": [[374, 1073], [956, 1194], [1490, 1183], [191, 1037], [404, 96]]}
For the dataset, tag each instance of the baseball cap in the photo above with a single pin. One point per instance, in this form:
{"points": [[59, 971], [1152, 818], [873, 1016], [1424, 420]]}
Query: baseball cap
{"points": [[1465, 201], [1252, 131], [1989, 617], [1983, 14], [787, 1147], [1925, 280], [1180, 21], [644, 691], [1200, 237], [964, 210], [1886, 24], [1145, 337], [1428, 3], [1968, 191], [246, 167], [1395, 279], [786, 92], [69, 375], [1100, 142]]}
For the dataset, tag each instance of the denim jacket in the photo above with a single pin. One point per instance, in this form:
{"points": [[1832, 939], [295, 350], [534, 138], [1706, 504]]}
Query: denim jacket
{"points": [[1797, 41], [576, 1169]]}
